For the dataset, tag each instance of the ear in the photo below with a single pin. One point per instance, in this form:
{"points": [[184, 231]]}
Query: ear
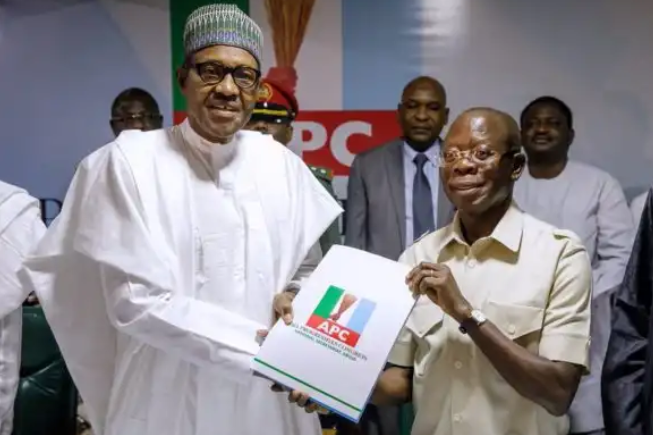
{"points": [[289, 132], [400, 109], [182, 76], [572, 135], [519, 162], [446, 116]]}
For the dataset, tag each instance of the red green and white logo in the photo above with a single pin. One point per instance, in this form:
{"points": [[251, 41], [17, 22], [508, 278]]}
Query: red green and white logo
{"points": [[333, 309]]}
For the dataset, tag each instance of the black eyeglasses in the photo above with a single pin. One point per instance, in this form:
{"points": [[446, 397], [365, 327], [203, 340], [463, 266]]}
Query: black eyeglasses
{"points": [[212, 73]]}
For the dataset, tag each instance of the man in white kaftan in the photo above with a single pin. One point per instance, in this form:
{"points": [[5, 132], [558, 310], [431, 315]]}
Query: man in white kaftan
{"points": [[590, 202], [171, 250], [21, 228]]}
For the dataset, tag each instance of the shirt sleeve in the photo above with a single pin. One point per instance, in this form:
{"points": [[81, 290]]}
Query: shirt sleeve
{"points": [[402, 353], [616, 232], [307, 267], [566, 329], [199, 332]]}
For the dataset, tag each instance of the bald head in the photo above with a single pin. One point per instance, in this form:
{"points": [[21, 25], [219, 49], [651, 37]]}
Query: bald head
{"points": [[486, 121], [425, 83]]}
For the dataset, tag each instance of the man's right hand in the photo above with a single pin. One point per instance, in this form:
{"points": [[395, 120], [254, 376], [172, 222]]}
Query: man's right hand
{"points": [[282, 305]]}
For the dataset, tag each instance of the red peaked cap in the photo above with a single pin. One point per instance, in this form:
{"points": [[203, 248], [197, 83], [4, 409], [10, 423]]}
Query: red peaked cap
{"points": [[275, 103]]}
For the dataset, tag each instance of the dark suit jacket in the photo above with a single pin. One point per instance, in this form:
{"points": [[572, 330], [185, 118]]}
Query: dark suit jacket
{"points": [[627, 380], [376, 203]]}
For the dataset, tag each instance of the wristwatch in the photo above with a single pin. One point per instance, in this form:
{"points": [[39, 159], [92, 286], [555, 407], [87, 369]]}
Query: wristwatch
{"points": [[476, 318]]}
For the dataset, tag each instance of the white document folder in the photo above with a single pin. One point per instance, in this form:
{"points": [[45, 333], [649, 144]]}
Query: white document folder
{"points": [[347, 317]]}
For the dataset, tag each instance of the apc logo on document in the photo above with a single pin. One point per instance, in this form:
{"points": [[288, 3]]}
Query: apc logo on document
{"points": [[333, 316]]}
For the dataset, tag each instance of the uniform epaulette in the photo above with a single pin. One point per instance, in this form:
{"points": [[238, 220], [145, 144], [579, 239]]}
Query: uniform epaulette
{"points": [[323, 173], [565, 234]]}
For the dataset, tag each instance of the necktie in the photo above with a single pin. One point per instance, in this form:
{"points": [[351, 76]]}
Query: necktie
{"points": [[422, 200]]}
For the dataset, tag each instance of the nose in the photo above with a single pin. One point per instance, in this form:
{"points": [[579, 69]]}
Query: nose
{"points": [[421, 114], [260, 126], [464, 166], [227, 87]]}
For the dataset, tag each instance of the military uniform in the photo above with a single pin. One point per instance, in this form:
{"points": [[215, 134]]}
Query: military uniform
{"points": [[332, 235]]}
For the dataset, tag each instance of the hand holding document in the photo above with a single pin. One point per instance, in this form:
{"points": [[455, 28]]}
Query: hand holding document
{"points": [[346, 319]]}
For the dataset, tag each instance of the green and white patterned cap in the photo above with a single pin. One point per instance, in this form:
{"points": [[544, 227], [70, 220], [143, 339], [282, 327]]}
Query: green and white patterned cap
{"points": [[221, 24]]}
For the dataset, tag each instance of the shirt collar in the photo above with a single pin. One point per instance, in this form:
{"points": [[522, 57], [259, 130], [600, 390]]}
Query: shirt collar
{"points": [[508, 231], [431, 153], [217, 155]]}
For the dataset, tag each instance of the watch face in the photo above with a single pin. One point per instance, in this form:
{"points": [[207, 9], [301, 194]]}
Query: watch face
{"points": [[478, 316]]}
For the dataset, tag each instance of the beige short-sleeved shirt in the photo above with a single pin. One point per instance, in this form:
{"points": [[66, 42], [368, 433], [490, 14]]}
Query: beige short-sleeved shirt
{"points": [[533, 282]]}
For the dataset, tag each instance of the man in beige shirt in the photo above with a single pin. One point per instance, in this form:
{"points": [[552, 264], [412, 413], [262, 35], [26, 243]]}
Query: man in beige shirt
{"points": [[499, 338]]}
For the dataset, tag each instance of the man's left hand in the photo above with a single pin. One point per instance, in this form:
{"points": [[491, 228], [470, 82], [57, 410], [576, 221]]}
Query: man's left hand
{"points": [[438, 283]]}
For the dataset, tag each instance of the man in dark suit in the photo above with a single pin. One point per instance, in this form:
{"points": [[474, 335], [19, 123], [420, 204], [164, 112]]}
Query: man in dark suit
{"points": [[627, 379], [395, 196]]}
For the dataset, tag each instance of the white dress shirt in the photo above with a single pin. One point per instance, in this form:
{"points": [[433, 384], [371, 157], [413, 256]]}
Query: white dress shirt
{"points": [[432, 174]]}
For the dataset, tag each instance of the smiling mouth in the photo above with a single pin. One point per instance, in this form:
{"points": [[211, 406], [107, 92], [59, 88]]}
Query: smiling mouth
{"points": [[542, 140]]}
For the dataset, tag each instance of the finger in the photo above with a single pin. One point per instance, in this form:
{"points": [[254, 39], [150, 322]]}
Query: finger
{"points": [[430, 287], [303, 400], [294, 396], [286, 314], [311, 407], [412, 272], [262, 333], [416, 284]]}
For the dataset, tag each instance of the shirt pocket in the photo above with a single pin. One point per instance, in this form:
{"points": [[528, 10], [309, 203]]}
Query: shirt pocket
{"points": [[426, 324], [520, 323]]}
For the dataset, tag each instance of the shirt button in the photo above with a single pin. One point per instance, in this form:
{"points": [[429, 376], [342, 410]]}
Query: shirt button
{"points": [[457, 418], [458, 365], [511, 329]]}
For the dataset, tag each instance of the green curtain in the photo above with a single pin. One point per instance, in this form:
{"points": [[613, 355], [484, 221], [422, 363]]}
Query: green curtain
{"points": [[406, 417]]}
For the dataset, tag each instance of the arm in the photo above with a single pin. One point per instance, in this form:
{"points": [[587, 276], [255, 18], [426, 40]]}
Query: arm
{"points": [[551, 378], [625, 365], [615, 236], [356, 228], [202, 333], [305, 270]]}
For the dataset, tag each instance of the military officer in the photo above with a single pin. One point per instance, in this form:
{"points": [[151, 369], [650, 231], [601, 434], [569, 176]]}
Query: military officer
{"points": [[274, 114]]}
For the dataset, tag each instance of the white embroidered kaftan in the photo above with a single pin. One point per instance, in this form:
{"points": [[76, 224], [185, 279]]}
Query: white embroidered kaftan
{"points": [[189, 242]]}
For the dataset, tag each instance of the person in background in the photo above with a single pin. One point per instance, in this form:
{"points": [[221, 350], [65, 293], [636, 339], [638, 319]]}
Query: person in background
{"points": [[394, 196], [627, 380], [274, 114], [135, 109], [498, 340], [182, 246], [21, 229], [589, 202]]}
